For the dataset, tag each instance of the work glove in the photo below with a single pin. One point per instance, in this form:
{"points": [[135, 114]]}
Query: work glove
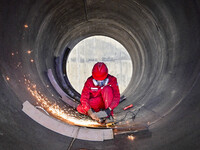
{"points": [[108, 111], [105, 113], [93, 115]]}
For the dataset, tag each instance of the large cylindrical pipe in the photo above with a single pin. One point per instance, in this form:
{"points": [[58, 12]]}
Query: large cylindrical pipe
{"points": [[162, 38]]}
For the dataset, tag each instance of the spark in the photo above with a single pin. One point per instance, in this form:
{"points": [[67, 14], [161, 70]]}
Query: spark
{"points": [[12, 54], [34, 86], [19, 63], [29, 51], [131, 137], [32, 60], [7, 78], [55, 110], [25, 26]]}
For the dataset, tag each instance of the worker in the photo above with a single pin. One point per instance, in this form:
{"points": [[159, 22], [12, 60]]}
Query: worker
{"points": [[100, 94]]}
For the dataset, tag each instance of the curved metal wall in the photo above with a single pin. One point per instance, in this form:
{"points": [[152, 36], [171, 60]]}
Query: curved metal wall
{"points": [[162, 38]]}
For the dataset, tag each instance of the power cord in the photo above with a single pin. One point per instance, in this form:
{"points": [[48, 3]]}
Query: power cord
{"points": [[133, 116]]}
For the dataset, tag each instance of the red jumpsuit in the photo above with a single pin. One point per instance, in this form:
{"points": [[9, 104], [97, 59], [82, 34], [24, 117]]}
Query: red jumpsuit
{"points": [[97, 97]]}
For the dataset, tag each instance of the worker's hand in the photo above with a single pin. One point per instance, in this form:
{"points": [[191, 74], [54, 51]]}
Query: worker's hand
{"points": [[93, 115], [108, 111]]}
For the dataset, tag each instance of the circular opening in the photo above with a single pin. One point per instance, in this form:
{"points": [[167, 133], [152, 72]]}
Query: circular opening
{"points": [[98, 49]]}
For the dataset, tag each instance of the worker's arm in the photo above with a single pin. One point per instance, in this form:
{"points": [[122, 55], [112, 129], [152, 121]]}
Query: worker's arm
{"points": [[85, 95], [116, 93]]}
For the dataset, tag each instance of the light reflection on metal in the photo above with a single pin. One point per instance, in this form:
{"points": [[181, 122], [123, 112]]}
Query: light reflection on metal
{"points": [[39, 107], [56, 111]]}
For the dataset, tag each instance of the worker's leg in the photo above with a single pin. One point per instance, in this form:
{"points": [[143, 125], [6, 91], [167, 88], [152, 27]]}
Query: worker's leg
{"points": [[95, 103], [107, 95]]}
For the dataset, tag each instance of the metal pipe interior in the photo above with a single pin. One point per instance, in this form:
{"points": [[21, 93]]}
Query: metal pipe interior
{"points": [[162, 38]]}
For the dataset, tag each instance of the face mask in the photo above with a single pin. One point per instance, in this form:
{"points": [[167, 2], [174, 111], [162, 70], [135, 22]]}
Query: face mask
{"points": [[100, 82]]}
